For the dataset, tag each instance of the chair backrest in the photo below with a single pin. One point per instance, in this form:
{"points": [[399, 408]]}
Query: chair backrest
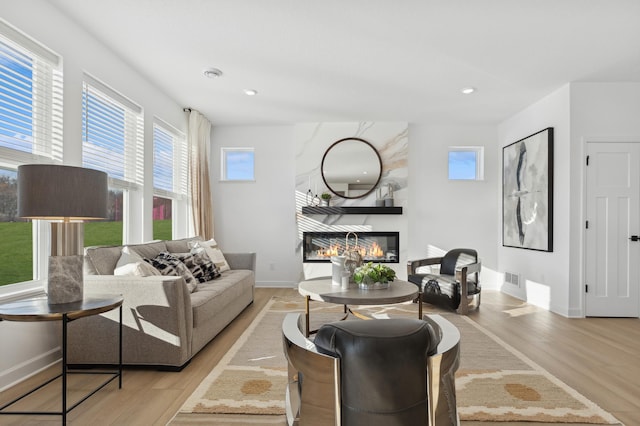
{"points": [[382, 369], [456, 258]]}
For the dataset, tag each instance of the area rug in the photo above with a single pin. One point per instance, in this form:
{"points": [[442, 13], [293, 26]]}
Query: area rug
{"points": [[495, 382]]}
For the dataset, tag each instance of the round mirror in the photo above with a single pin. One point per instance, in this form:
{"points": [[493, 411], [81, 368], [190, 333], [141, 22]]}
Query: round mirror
{"points": [[351, 168]]}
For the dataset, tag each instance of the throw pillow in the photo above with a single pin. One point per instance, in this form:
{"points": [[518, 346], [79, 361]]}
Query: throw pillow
{"points": [[199, 264], [214, 253], [130, 263], [168, 264]]}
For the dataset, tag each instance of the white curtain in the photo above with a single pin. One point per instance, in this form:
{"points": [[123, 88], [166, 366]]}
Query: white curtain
{"points": [[201, 200]]}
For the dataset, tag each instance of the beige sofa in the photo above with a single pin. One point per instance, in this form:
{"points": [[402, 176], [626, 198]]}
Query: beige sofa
{"points": [[164, 324]]}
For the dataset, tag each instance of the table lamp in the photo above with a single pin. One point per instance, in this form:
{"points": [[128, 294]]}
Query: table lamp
{"points": [[67, 196]]}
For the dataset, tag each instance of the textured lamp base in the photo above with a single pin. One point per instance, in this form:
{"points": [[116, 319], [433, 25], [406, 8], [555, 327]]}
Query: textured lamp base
{"points": [[65, 279]]}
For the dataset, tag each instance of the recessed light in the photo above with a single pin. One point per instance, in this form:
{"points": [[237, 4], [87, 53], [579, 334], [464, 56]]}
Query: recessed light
{"points": [[468, 90], [212, 73], [250, 92]]}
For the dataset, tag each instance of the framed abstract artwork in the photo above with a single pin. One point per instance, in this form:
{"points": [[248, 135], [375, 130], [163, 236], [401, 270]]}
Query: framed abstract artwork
{"points": [[527, 192]]}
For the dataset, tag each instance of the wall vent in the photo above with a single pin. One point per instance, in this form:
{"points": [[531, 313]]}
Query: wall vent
{"points": [[512, 278]]}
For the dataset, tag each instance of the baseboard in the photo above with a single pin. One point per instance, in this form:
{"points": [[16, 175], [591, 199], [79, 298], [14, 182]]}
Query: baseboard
{"points": [[28, 368]]}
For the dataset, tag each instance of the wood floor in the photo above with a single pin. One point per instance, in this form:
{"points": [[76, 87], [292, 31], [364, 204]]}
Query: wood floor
{"points": [[599, 357]]}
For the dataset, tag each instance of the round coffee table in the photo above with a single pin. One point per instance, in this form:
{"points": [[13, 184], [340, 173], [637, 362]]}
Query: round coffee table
{"points": [[322, 290]]}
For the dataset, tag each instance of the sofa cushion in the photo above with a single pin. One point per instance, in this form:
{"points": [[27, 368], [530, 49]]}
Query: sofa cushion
{"points": [[199, 264], [168, 264], [212, 296], [132, 264], [101, 260], [148, 250], [181, 246], [214, 253]]}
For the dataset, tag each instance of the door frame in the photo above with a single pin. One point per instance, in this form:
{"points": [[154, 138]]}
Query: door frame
{"points": [[583, 211]]}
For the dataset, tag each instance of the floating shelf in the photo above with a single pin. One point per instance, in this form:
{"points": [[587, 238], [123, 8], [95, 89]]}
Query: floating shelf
{"points": [[310, 210]]}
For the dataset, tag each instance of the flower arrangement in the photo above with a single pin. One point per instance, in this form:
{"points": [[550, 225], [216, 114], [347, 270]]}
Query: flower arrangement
{"points": [[369, 274]]}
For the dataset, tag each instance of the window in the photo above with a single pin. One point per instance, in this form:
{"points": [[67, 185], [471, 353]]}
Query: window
{"points": [[169, 176], [16, 250], [466, 163], [110, 230], [30, 132], [112, 141], [238, 164], [30, 99]]}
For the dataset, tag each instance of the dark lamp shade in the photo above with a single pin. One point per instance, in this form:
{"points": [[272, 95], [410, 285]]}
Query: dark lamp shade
{"points": [[61, 192]]}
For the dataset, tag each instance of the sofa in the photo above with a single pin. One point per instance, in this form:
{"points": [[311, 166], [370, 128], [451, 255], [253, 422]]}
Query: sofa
{"points": [[165, 321]]}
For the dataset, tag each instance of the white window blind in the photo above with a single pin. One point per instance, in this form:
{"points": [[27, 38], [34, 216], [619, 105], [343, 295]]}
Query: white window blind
{"points": [[112, 133], [169, 160], [30, 99]]}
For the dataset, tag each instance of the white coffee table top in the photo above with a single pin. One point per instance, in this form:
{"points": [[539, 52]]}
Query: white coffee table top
{"points": [[323, 290]]}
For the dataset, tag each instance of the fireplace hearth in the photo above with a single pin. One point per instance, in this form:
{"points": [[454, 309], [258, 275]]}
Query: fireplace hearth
{"points": [[379, 247]]}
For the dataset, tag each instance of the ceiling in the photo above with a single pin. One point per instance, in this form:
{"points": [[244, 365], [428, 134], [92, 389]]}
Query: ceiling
{"points": [[367, 60]]}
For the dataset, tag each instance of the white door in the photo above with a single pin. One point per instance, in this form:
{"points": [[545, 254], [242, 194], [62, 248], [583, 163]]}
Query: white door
{"points": [[612, 233]]}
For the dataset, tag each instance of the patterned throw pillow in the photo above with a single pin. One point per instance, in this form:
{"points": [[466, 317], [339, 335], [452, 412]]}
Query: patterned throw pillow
{"points": [[168, 264], [200, 265], [214, 253]]}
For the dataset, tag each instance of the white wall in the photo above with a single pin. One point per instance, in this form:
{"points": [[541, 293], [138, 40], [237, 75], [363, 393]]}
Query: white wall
{"points": [[446, 214], [259, 216], [603, 112], [28, 347], [544, 276], [579, 112]]}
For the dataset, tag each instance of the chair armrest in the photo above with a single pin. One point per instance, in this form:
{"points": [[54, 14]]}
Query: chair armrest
{"points": [[465, 270], [241, 260], [313, 378], [442, 367], [413, 265]]}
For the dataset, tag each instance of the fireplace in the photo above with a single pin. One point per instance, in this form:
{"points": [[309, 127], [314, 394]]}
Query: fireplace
{"points": [[378, 247]]}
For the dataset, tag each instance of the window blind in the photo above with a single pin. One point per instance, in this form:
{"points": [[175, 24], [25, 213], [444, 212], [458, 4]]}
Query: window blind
{"points": [[30, 98], [112, 133], [169, 160]]}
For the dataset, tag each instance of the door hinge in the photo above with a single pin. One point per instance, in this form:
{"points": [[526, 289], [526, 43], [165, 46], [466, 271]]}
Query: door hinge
{"points": [[586, 224], [586, 288], [587, 160]]}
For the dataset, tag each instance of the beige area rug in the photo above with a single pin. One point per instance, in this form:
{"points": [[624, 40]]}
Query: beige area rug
{"points": [[495, 382]]}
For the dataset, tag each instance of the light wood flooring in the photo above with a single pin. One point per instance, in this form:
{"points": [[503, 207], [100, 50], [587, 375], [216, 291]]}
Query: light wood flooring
{"points": [[599, 357]]}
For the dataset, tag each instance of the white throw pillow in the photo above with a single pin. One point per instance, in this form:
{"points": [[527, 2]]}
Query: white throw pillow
{"points": [[131, 263], [215, 254]]}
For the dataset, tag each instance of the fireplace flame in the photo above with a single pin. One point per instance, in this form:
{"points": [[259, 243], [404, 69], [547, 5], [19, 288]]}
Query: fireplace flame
{"points": [[329, 251], [375, 251]]}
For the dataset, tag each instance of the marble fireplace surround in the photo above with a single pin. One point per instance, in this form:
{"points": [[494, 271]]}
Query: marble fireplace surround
{"points": [[391, 141]]}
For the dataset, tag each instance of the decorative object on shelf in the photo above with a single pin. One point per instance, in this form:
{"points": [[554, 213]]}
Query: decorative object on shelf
{"points": [[66, 196], [351, 168], [379, 199], [309, 197], [325, 199], [352, 255], [388, 199], [372, 276]]}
